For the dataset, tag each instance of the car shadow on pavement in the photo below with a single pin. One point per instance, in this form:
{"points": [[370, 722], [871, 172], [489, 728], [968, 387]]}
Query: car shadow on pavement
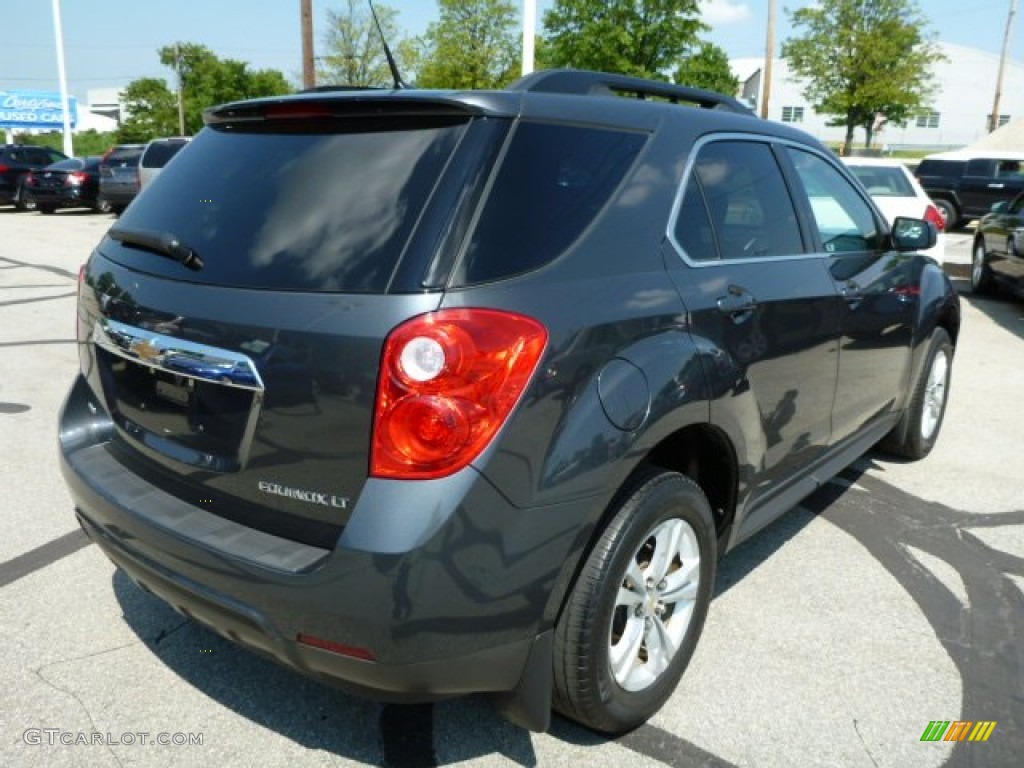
{"points": [[1004, 309], [984, 637]]}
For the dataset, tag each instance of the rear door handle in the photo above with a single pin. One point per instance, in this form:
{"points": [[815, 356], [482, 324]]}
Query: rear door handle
{"points": [[738, 303]]}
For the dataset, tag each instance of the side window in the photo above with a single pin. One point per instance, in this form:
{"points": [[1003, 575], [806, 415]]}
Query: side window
{"points": [[1008, 168], [692, 230], [844, 219], [553, 183], [750, 208], [980, 167]]}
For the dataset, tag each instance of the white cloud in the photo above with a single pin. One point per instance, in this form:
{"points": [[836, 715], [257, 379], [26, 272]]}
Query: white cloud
{"points": [[724, 11]]}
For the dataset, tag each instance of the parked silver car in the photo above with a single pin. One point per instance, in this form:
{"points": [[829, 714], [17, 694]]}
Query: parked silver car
{"points": [[156, 155]]}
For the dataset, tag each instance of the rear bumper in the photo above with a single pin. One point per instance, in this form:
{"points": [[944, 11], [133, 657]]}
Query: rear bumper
{"points": [[65, 198], [458, 599]]}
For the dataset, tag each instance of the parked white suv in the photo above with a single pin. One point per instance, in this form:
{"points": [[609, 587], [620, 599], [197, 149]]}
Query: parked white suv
{"points": [[156, 155]]}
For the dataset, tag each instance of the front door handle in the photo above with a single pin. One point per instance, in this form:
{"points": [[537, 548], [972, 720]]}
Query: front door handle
{"points": [[852, 293]]}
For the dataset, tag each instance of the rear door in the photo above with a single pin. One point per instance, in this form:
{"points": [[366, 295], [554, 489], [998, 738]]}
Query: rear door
{"points": [[764, 305], [1004, 241], [988, 181]]}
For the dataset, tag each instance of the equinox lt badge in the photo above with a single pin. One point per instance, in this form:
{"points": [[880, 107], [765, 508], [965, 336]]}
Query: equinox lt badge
{"points": [[310, 497]]}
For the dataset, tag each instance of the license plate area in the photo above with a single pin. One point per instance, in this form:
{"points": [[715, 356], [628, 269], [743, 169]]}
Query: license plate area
{"points": [[197, 422]]}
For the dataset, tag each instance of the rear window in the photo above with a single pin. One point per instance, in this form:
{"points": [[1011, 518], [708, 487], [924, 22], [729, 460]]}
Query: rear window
{"points": [[292, 211], [160, 152], [71, 164], [120, 158], [880, 181], [553, 182]]}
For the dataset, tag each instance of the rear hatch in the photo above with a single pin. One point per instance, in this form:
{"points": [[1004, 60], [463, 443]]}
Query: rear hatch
{"points": [[237, 311]]}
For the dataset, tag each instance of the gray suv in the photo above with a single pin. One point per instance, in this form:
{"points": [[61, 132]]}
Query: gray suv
{"points": [[430, 393]]}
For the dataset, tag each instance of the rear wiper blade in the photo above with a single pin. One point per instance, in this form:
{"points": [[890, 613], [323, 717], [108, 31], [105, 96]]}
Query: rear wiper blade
{"points": [[163, 243]]}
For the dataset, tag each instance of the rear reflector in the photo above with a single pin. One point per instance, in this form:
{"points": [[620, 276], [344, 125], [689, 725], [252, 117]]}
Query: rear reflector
{"points": [[352, 651]]}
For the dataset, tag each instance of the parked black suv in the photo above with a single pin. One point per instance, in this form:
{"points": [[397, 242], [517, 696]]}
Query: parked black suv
{"points": [[16, 162], [439, 392], [966, 184]]}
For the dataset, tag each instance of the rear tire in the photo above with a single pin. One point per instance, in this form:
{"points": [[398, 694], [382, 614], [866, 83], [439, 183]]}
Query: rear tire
{"points": [[633, 619], [918, 429], [25, 201], [982, 281], [47, 209]]}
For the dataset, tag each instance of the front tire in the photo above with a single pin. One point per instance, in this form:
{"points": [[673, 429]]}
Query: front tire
{"points": [[47, 209], [981, 273], [915, 435], [633, 619]]}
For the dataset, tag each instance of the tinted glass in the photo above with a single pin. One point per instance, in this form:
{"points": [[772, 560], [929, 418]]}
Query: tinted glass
{"points": [[980, 167], [71, 164], [948, 168], [692, 231], [749, 203], [296, 211], [158, 153], [880, 181], [124, 158], [553, 182], [844, 219]]}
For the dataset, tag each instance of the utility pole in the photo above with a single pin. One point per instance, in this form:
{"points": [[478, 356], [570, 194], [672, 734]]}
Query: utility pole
{"points": [[181, 90], [529, 34], [65, 102], [994, 121], [308, 72], [769, 58]]}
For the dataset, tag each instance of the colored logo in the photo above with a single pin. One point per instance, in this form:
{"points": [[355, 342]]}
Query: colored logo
{"points": [[958, 730]]}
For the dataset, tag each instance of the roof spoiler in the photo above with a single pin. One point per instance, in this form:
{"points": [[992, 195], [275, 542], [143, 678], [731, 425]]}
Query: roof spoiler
{"points": [[585, 83]]}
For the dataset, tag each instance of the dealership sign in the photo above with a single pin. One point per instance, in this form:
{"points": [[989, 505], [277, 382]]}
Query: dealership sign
{"points": [[34, 109]]}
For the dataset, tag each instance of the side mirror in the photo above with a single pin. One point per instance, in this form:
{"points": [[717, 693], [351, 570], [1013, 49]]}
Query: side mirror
{"points": [[913, 234], [999, 207]]}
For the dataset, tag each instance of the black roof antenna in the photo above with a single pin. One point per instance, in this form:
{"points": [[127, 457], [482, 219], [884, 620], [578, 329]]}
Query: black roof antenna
{"points": [[399, 83]]}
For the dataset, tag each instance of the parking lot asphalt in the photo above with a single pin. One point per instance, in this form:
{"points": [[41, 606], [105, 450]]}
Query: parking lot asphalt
{"points": [[891, 598]]}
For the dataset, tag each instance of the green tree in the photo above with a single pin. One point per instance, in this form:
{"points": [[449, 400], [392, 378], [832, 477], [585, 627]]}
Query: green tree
{"points": [[353, 52], [151, 111], [474, 44], [863, 61], [632, 37], [206, 81], [708, 68]]}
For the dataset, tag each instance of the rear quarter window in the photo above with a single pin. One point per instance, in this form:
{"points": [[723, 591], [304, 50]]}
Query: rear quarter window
{"points": [[552, 183], [950, 169], [158, 154]]}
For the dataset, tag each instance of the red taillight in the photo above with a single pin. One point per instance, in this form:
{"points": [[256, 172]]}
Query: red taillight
{"points": [[296, 111], [934, 215], [448, 380], [78, 177], [4, 168]]}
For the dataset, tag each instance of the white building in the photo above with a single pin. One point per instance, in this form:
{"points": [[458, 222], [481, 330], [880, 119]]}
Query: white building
{"points": [[960, 107]]}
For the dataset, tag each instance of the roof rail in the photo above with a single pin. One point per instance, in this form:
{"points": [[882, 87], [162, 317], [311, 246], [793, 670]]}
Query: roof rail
{"points": [[585, 83]]}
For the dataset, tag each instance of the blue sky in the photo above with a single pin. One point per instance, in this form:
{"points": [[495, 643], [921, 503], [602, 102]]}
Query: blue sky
{"points": [[108, 43]]}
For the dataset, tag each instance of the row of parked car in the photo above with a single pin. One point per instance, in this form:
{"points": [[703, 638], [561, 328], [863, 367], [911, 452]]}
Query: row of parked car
{"points": [[43, 179]]}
